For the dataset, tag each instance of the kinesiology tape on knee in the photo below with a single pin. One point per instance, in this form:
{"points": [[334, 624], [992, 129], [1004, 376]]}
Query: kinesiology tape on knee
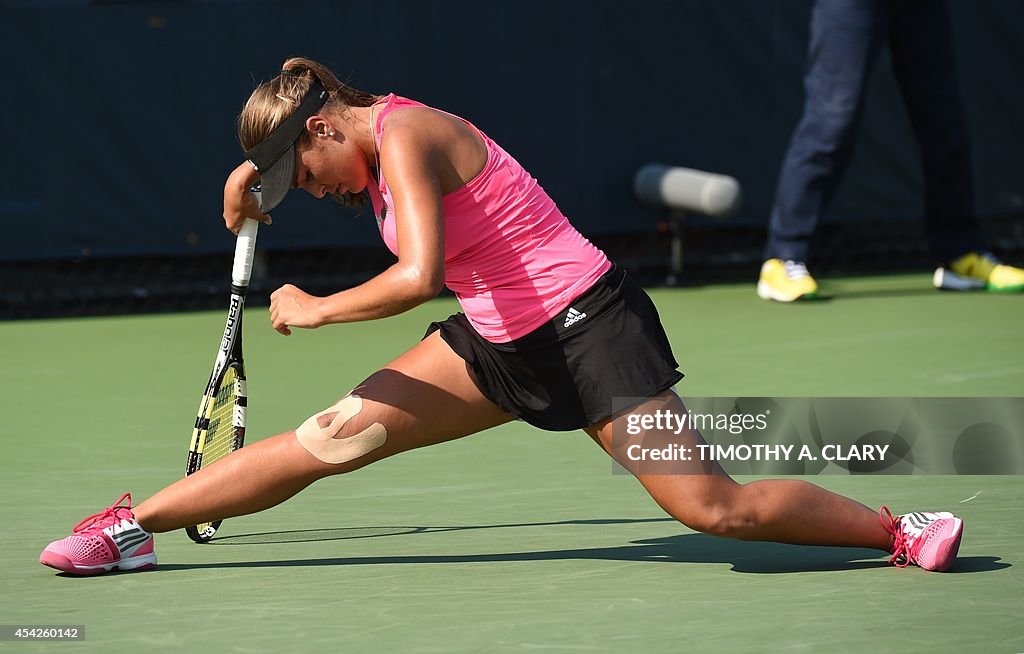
{"points": [[321, 433]]}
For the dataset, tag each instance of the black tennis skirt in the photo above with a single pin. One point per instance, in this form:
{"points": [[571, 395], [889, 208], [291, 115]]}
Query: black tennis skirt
{"points": [[608, 343]]}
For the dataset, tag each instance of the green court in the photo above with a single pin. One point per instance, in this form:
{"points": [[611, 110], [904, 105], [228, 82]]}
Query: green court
{"points": [[514, 539]]}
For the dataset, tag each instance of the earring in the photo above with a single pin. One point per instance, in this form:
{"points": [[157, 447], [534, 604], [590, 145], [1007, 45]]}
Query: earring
{"points": [[330, 133]]}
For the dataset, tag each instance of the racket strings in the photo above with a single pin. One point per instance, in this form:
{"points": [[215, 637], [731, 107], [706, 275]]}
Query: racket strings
{"points": [[221, 433]]}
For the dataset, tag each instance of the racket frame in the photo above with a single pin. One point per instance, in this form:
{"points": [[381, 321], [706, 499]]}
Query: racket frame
{"points": [[229, 355]]}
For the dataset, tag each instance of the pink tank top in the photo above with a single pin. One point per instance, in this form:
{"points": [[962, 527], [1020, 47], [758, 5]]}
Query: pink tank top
{"points": [[510, 256]]}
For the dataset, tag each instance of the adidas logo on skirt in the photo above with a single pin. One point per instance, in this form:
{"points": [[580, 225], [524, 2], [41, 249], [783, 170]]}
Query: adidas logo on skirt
{"points": [[573, 316]]}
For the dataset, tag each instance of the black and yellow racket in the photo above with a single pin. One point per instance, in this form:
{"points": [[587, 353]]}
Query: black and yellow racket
{"points": [[220, 423]]}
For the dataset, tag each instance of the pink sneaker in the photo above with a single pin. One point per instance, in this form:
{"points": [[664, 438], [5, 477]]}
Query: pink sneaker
{"points": [[109, 540], [929, 540]]}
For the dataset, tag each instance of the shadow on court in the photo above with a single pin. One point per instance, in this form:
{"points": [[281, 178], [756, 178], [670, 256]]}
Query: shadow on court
{"points": [[746, 557], [350, 533], [830, 294]]}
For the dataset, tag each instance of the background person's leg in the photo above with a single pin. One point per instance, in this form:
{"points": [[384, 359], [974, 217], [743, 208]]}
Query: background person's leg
{"points": [[921, 40], [844, 43]]}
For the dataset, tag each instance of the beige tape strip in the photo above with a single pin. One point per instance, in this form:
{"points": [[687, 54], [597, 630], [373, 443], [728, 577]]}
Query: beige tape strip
{"points": [[319, 434]]}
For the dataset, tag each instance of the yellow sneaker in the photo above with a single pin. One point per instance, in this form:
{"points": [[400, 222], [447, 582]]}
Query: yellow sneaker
{"points": [[979, 270], [785, 281]]}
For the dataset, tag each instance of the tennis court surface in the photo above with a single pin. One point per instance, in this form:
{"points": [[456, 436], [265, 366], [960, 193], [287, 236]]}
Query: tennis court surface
{"points": [[512, 540]]}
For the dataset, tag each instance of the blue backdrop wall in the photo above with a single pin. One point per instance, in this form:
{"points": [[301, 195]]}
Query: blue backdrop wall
{"points": [[118, 118]]}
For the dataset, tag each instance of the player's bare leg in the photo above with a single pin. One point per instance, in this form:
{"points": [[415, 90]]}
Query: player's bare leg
{"points": [[423, 397], [703, 497]]}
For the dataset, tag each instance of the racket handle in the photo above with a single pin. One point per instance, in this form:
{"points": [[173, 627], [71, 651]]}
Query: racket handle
{"points": [[245, 246]]}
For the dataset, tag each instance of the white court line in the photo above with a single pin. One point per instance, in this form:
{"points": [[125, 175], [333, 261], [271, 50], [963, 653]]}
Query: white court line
{"points": [[957, 377], [972, 497]]}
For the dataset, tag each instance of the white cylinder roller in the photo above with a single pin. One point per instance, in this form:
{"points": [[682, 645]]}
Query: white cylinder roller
{"points": [[688, 189]]}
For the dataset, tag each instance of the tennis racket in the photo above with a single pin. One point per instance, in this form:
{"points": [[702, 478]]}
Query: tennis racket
{"points": [[220, 422]]}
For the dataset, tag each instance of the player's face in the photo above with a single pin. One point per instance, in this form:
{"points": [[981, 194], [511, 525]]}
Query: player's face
{"points": [[332, 165]]}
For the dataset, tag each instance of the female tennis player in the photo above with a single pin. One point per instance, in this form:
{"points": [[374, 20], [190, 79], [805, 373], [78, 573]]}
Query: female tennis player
{"points": [[550, 332]]}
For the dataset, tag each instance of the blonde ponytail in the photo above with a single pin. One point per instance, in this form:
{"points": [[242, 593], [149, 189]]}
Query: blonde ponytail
{"points": [[275, 100]]}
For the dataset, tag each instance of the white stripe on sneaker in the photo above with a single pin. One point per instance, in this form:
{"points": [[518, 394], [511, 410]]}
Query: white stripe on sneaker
{"points": [[795, 269], [949, 280], [126, 535]]}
